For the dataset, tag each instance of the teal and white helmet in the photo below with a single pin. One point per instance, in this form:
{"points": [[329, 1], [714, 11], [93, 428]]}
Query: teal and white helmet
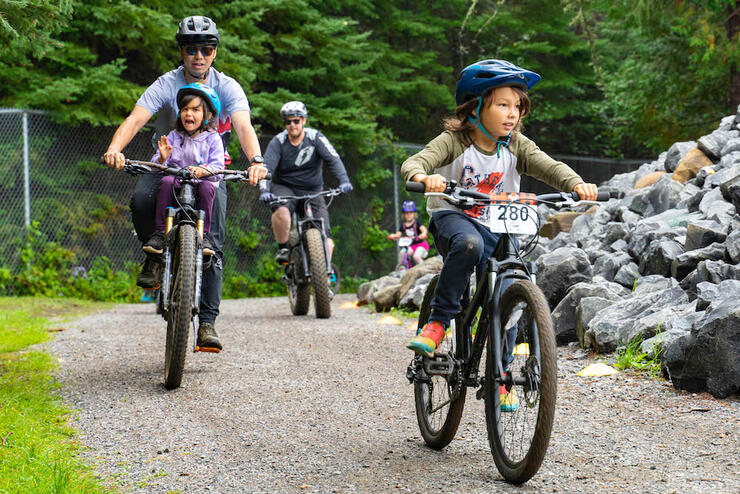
{"points": [[294, 109]]}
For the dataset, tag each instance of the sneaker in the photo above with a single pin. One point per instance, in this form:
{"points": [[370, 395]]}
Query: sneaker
{"points": [[208, 246], [508, 399], [155, 244], [207, 339], [428, 339], [282, 256], [148, 278]]}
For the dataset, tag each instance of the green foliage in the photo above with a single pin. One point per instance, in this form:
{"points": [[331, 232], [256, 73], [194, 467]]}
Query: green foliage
{"points": [[38, 451], [631, 356]]}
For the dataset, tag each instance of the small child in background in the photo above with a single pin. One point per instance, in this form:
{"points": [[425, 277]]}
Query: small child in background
{"points": [[194, 144], [411, 228]]}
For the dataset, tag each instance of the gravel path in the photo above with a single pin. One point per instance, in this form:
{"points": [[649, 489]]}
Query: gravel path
{"points": [[296, 404]]}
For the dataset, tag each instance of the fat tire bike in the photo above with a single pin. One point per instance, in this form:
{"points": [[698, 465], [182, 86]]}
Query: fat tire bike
{"points": [[518, 438], [178, 299], [308, 268]]}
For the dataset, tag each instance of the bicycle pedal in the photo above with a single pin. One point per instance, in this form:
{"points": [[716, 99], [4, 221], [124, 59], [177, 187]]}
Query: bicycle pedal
{"points": [[207, 349]]}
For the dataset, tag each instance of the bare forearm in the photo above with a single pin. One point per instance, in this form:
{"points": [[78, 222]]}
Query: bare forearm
{"points": [[246, 134]]}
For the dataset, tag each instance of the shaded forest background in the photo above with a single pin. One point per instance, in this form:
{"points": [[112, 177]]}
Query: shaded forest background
{"points": [[621, 78]]}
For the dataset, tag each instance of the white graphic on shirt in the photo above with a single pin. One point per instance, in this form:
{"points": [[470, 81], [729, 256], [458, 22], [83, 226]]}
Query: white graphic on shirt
{"points": [[328, 145], [304, 156]]}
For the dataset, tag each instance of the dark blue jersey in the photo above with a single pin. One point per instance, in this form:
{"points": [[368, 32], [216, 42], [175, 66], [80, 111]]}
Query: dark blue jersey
{"points": [[301, 166]]}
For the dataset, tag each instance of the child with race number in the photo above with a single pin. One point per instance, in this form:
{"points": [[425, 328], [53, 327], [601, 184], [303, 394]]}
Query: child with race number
{"points": [[414, 232], [482, 148], [194, 144]]}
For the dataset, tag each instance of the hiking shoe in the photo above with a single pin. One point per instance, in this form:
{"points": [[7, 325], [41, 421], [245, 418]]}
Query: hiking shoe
{"points": [[155, 244], [282, 256], [148, 278], [508, 399], [208, 245], [428, 339], [207, 339]]}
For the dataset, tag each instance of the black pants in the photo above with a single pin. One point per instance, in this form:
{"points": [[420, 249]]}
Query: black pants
{"points": [[143, 204]]}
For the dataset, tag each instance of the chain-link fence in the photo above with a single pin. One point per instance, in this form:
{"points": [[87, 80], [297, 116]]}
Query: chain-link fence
{"points": [[50, 174]]}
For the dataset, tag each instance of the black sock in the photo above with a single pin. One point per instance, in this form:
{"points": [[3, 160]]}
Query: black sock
{"points": [[283, 246]]}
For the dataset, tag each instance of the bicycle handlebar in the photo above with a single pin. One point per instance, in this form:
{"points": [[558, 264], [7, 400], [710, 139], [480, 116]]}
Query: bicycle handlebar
{"points": [[458, 196], [136, 167], [328, 192]]}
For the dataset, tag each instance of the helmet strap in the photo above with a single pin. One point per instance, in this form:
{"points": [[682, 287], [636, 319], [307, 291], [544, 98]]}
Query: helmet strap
{"points": [[476, 121]]}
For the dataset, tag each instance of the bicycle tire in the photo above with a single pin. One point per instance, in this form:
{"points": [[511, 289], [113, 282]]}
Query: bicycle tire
{"points": [[180, 312], [519, 438], [438, 428], [317, 267], [299, 292]]}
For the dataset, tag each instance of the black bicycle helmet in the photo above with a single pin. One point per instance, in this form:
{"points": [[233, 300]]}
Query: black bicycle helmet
{"points": [[476, 78], [197, 30]]}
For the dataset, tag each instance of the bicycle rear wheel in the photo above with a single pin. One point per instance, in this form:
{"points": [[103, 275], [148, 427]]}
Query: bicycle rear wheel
{"points": [[180, 312], [317, 266], [519, 436], [439, 403], [299, 291]]}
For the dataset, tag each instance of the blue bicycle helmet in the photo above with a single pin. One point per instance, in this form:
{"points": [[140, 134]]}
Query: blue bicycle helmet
{"points": [[476, 78], [206, 92], [408, 207]]}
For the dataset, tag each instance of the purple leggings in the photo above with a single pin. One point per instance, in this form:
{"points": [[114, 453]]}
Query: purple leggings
{"points": [[205, 193]]}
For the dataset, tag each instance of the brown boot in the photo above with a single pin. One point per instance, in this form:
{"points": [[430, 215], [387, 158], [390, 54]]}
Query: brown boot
{"points": [[207, 339]]}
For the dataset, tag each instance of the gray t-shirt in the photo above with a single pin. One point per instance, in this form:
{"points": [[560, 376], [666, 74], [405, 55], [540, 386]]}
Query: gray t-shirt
{"points": [[161, 99]]}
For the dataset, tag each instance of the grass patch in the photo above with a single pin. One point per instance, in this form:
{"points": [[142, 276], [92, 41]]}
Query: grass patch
{"points": [[631, 356], [37, 448]]}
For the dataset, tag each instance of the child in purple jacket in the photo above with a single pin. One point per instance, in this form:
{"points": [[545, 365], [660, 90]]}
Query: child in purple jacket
{"points": [[194, 144]]}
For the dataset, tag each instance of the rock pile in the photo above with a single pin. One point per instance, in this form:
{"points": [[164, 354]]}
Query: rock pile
{"points": [[661, 264]]}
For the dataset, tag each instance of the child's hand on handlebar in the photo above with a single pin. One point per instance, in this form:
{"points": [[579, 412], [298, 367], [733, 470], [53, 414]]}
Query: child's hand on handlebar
{"points": [[394, 236], [587, 192], [433, 183], [199, 171]]}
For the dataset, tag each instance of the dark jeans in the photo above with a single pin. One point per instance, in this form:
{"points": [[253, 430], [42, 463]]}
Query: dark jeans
{"points": [[143, 207], [465, 245]]}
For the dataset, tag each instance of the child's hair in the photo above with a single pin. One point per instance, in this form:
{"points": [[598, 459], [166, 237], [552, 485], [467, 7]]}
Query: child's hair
{"points": [[207, 115], [460, 124]]}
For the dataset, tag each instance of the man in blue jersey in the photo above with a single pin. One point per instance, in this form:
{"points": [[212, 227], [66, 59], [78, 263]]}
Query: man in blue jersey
{"points": [[197, 38], [295, 158]]}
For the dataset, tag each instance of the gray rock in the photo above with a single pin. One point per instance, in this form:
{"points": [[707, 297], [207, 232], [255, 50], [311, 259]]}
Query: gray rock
{"points": [[723, 175], [702, 233], [711, 271], [627, 275], [561, 269], [732, 245], [729, 160], [608, 265], [711, 294], [653, 283], [614, 231], [564, 315], [663, 195], [619, 246], [414, 295], [726, 185], [627, 216], [733, 145], [587, 309], [727, 123], [659, 256], [685, 263], [619, 324], [637, 200], [675, 153], [712, 144], [707, 358]]}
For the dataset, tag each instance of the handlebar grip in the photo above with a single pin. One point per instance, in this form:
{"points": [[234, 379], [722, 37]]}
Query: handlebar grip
{"points": [[474, 194], [416, 187], [603, 195]]}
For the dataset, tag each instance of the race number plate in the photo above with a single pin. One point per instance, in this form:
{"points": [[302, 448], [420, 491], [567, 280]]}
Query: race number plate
{"points": [[517, 219]]}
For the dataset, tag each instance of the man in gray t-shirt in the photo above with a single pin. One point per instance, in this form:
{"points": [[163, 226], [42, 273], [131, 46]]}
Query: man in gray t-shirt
{"points": [[197, 38]]}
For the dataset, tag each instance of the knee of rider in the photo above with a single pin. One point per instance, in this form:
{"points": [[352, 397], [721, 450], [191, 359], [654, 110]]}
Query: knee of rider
{"points": [[469, 245]]}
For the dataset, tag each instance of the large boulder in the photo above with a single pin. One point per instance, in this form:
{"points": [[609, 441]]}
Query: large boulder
{"points": [[685, 263], [711, 294], [366, 290], [659, 256], [564, 315], [561, 269], [620, 323], [663, 195], [713, 143], [701, 233], [433, 265], [707, 358], [413, 297], [690, 164]]}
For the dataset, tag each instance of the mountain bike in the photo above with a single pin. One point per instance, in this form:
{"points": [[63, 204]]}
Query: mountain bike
{"points": [[308, 264], [178, 300], [518, 437]]}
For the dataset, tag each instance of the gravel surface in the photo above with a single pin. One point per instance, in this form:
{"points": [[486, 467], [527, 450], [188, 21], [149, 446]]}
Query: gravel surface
{"points": [[296, 404]]}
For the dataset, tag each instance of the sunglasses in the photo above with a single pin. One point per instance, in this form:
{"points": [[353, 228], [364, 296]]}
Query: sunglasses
{"points": [[207, 51], [294, 121]]}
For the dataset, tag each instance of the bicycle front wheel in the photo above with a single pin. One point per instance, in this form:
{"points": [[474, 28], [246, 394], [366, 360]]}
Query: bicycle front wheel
{"points": [[519, 417], [180, 313], [319, 279], [299, 291], [439, 402]]}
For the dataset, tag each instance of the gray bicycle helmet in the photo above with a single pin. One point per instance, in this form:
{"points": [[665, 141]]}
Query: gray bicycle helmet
{"points": [[197, 30], [294, 109]]}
